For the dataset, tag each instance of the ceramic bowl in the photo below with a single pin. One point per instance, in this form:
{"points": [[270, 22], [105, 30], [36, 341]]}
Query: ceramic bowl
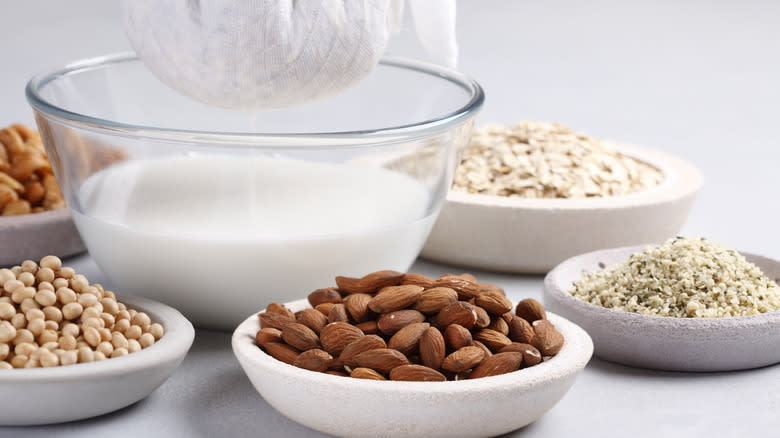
{"points": [[33, 236], [349, 407], [533, 235], [665, 343], [74, 392]]}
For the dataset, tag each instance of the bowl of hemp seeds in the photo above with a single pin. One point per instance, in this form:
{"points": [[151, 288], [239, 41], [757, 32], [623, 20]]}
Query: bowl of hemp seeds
{"points": [[688, 304], [528, 196]]}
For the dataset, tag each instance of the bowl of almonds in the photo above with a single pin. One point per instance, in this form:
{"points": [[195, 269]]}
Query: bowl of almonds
{"points": [[529, 196], [407, 355]]}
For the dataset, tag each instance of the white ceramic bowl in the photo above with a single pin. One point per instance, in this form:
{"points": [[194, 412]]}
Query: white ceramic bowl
{"points": [[66, 393], [665, 343], [33, 236], [533, 235], [348, 407]]}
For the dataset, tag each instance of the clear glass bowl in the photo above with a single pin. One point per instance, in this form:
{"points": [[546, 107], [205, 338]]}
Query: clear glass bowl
{"points": [[218, 212]]}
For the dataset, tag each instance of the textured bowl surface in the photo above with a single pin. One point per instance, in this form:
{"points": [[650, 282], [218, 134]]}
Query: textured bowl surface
{"points": [[358, 408], [533, 235], [58, 394], [665, 343], [33, 236]]}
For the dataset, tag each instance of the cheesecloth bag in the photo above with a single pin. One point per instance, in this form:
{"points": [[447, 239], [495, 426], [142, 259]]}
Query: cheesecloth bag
{"points": [[263, 54]]}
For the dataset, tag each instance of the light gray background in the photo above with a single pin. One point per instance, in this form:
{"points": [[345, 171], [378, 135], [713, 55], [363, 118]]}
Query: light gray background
{"points": [[695, 78]]}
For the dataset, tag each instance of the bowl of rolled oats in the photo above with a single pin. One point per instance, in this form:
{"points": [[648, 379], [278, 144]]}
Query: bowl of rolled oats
{"points": [[529, 196], [688, 304]]}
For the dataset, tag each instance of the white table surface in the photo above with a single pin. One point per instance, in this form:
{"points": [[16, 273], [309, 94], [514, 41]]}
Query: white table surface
{"points": [[695, 78]]}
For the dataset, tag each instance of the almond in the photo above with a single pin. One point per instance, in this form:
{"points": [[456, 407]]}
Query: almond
{"points": [[390, 323], [457, 337], [274, 320], [313, 360], [370, 283], [500, 363], [530, 310], [282, 352], [483, 319], [324, 308], [461, 313], [492, 339], [300, 336], [394, 298], [520, 330], [463, 359], [500, 325], [381, 359], [268, 335], [485, 287], [482, 347], [433, 300], [546, 338], [432, 348], [366, 373], [418, 280], [313, 319], [338, 313], [368, 327], [465, 287], [337, 335], [280, 309], [336, 373], [494, 302], [326, 295], [531, 356], [349, 285], [407, 340], [365, 343], [357, 306], [416, 373]]}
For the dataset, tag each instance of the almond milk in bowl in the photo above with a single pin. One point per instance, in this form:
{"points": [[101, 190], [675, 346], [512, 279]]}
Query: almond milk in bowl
{"points": [[216, 211]]}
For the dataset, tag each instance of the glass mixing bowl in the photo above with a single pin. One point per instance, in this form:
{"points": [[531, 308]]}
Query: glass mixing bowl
{"points": [[218, 212]]}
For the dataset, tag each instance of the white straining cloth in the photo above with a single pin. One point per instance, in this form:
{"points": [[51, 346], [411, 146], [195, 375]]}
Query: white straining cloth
{"points": [[264, 54]]}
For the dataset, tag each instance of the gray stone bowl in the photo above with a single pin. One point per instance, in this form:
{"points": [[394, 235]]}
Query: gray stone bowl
{"points": [[665, 343], [32, 236]]}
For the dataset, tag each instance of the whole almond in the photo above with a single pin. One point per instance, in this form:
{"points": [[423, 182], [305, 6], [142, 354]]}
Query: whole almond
{"points": [[465, 287], [461, 313], [520, 330], [432, 348], [390, 323], [457, 336], [499, 324], [433, 300], [268, 335], [531, 356], [418, 280], [324, 308], [313, 319], [313, 360], [282, 352], [274, 320], [492, 339], [530, 310], [463, 359], [349, 285], [485, 287], [393, 298], [280, 309], [366, 373], [483, 318], [500, 363], [494, 302], [546, 338], [407, 340], [337, 335], [326, 295], [416, 373], [336, 373], [381, 279], [338, 313], [357, 306], [365, 343], [482, 347], [368, 327], [381, 359], [300, 336]]}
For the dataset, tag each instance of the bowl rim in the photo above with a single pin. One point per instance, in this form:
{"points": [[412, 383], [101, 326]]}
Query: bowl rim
{"points": [[572, 358], [681, 179], [553, 287], [301, 140], [174, 344]]}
